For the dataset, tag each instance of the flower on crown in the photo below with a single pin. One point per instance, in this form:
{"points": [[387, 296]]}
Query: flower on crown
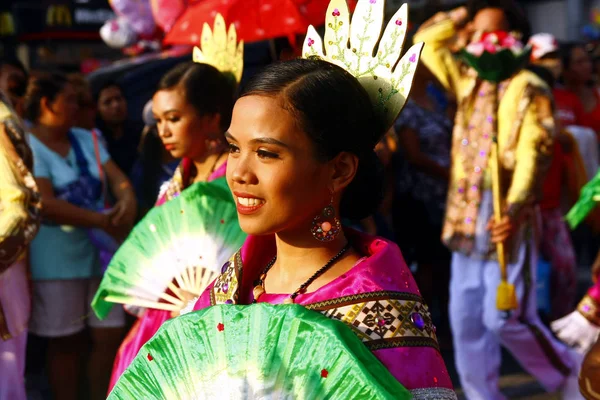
{"points": [[386, 77], [221, 49]]}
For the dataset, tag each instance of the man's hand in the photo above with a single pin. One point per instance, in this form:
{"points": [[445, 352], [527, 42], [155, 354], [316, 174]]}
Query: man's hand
{"points": [[503, 230], [459, 16]]}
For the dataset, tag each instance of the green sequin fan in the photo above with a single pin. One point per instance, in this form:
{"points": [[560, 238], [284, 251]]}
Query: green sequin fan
{"points": [[590, 195], [174, 252], [260, 351]]}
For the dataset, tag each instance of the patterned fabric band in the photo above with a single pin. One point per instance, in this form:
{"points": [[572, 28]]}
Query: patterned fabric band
{"points": [[383, 319], [590, 310]]}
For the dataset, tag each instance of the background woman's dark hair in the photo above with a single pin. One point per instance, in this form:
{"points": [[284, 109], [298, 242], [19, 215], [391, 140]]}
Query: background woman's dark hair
{"points": [[335, 112], [106, 85], [566, 53], [47, 85], [205, 88], [515, 15], [150, 157], [543, 73]]}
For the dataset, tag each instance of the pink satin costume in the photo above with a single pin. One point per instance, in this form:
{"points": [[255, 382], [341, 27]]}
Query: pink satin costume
{"points": [[378, 299], [147, 325]]}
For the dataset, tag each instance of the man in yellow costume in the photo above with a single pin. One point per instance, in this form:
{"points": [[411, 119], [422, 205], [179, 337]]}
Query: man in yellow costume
{"points": [[519, 113]]}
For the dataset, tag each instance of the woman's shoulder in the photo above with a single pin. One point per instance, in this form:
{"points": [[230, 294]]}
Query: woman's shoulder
{"points": [[84, 136], [38, 148], [383, 267]]}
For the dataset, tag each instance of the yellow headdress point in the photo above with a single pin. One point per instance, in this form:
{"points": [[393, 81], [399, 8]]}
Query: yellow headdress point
{"points": [[220, 49], [352, 46]]}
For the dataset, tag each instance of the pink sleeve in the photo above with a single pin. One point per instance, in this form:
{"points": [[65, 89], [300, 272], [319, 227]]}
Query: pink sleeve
{"points": [[416, 367], [204, 300], [594, 292]]}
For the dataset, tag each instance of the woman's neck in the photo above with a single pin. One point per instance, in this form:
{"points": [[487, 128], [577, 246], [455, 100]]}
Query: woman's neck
{"points": [[208, 163], [49, 133], [116, 131], [299, 256], [576, 86]]}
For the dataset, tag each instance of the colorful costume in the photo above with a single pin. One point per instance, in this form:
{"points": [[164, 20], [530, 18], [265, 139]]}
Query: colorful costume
{"points": [[20, 205], [522, 107], [378, 299], [220, 49], [151, 319]]}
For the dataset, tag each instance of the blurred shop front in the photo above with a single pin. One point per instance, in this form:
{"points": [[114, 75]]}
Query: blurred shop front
{"points": [[57, 35]]}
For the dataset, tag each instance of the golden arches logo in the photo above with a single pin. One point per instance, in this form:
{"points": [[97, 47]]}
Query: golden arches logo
{"points": [[58, 16], [7, 24]]}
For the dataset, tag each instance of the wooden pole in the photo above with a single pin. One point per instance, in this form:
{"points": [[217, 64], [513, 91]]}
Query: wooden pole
{"points": [[506, 299]]}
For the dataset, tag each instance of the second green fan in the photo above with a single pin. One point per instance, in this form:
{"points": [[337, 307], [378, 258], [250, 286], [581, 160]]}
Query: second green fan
{"points": [[174, 252]]}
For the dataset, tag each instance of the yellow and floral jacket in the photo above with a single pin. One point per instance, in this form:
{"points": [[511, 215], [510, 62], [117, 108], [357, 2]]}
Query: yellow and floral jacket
{"points": [[20, 201], [519, 111]]}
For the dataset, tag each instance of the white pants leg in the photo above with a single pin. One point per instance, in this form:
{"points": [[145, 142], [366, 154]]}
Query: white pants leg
{"points": [[522, 333], [476, 349], [479, 327]]}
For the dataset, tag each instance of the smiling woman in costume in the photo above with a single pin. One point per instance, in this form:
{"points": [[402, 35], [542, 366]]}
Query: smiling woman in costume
{"points": [[301, 159]]}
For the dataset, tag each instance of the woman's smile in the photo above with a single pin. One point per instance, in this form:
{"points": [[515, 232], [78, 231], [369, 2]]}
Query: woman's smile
{"points": [[247, 204]]}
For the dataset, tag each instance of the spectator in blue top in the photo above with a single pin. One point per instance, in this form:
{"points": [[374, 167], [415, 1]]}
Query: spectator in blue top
{"points": [[72, 170]]}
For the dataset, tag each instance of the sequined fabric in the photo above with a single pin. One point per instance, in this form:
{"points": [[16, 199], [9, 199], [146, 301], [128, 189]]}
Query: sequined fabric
{"points": [[525, 131], [20, 201], [433, 394]]}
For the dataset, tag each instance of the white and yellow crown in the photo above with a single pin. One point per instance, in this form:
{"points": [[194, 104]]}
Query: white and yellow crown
{"points": [[352, 47], [220, 49]]}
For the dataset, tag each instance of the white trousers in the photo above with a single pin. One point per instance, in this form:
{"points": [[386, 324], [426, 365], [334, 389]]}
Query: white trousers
{"points": [[479, 328]]}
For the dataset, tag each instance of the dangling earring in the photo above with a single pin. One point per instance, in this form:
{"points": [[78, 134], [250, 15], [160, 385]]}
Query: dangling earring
{"points": [[326, 226]]}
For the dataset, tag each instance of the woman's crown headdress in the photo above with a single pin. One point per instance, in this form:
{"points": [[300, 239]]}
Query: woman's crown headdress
{"points": [[220, 49], [352, 46]]}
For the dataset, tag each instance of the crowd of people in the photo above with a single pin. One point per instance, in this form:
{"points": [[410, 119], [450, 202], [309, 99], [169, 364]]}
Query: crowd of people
{"points": [[77, 173]]}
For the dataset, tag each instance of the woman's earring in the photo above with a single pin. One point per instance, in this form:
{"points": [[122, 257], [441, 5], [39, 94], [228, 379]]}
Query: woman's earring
{"points": [[326, 226]]}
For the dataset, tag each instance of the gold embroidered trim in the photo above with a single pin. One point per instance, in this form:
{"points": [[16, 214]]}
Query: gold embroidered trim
{"points": [[382, 320], [590, 310], [385, 322], [227, 285]]}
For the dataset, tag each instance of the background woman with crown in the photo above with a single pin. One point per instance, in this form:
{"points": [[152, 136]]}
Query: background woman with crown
{"points": [[192, 107]]}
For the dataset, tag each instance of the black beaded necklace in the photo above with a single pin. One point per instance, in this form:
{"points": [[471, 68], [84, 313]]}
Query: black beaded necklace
{"points": [[259, 284]]}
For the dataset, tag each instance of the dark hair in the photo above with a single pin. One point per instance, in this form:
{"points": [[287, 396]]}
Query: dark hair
{"points": [[515, 15], [19, 87], [566, 53], [106, 85], [543, 73], [47, 85], [150, 160], [205, 88], [82, 88], [336, 113], [13, 62]]}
